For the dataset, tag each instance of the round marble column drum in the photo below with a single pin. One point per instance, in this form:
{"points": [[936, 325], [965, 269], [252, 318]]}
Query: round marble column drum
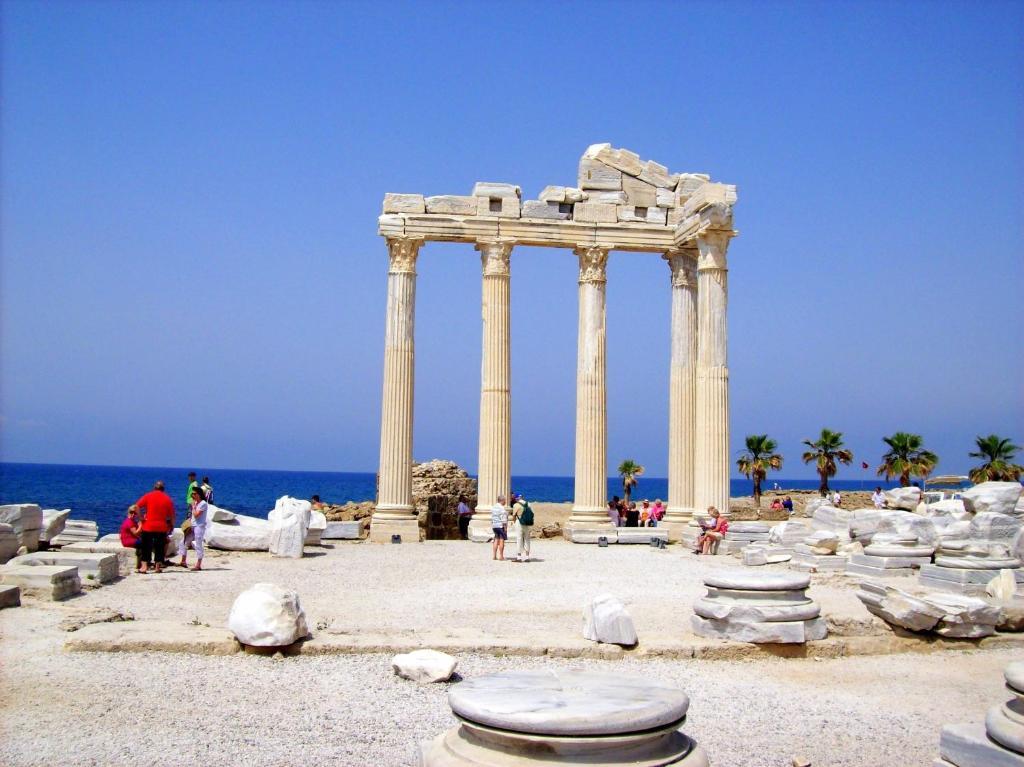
{"points": [[1005, 723], [569, 717]]}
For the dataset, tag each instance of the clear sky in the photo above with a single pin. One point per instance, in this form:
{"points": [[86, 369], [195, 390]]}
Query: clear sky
{"points": [[191, 273]]}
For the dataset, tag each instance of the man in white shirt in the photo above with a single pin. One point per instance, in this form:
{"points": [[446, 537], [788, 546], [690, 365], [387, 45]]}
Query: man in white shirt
{"points": [[837, 499], [499, 524], [878, 498]]}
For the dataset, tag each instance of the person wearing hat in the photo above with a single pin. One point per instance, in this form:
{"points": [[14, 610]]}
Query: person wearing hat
{"points": [[523, 514]]}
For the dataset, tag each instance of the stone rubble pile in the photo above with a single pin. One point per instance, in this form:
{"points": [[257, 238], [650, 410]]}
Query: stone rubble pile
{"points": [[758, 607], [999, 742], [966, 565], [267, 615], [829, 545], [436, 487], [997, 497], [613, 186], [950, 615], [901, 543], [26, 520], [76, 530], [606, 620], [780, 546]]}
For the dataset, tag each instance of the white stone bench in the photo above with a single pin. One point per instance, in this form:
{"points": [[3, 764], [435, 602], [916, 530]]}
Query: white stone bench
{"points": [[125, 555], [93, 569], [641, 535], [593, 534], [42, 581]]}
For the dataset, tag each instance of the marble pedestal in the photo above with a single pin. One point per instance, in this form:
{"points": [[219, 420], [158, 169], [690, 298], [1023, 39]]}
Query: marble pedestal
{"points": [[47, 582], [764, 608], [999, 742], [970, 582], [93, 568], [558, 718], [808, 562]]}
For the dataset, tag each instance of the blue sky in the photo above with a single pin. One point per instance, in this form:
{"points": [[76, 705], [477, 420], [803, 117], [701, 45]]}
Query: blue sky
{"points": [[191, 273]]}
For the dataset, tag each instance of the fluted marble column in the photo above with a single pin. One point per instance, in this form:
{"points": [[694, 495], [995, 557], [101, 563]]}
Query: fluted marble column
{"points": [[494, 466], [712, 449], [682, 401], [591, 488], [395, 512]]}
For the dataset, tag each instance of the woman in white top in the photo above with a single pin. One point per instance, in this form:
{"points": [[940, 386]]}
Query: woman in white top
{"points": [[199, 511]]}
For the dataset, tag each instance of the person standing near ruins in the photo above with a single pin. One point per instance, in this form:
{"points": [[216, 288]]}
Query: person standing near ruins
{"points": [[523, 514], [199, 508], [878, 498], [465, 514], [207, 489], [613, 511], [192, 485], [157, 523], [499, 524]]}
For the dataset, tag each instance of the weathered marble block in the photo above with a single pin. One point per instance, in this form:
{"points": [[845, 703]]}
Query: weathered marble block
{"points": [[498, 207], [404, 203], [999, 497], [9, 542], [424, 666], [666, 198], [317, 525], [903, 498], [688, 184], [125, 556], [620, 159], [605, 619], [548, 210], [561, 194], [76, 530], [93, 569], [495, 189], [47, 582], [597, 175], [642, 535], [53, 523], [638, 215], [245, 533], [946, 614], [639, 192], [594, 213], [608, 198], [453, 204], [267, 615], [335, 531], [657, 175], [10, 596], [26, 519], [592, 534]]}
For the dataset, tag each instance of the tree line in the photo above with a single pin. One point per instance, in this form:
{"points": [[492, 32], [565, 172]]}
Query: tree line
{"points": [[905, 458]]}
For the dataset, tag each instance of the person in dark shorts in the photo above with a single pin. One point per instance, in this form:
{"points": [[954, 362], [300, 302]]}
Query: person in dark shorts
{"points": [[499, 524], [158, 522]]}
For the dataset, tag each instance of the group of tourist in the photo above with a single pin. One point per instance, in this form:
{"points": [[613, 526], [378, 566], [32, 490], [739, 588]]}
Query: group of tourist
{"points": [[151, 519], [522, 514], [623, 514], [783, 504]]}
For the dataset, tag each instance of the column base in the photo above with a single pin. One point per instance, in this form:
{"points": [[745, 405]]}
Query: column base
{"points": [[382, 529], [589, 516], [675, 520], [480, 530]]}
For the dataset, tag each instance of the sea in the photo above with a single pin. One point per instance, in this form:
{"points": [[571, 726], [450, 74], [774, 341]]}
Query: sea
{"points": [[102, 493]]}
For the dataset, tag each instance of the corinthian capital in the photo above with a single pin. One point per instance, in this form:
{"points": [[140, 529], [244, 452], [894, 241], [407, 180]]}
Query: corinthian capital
{"points": [[494, 256], [402, 252], [593, 260], [683, 263], [712, 245]]}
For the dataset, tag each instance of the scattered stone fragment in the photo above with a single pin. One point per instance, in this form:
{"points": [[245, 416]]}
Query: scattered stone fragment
{"points": [[76, 530], [47, 582], [53, 524], [946, 614], [26, 519], [404, 203], [9, 542], [88, 617], [267, 615], [10, 596], [903, 498], [93, 569], [606, 620], [556, 211], [999, 497], [289, 522], [425, 666]]}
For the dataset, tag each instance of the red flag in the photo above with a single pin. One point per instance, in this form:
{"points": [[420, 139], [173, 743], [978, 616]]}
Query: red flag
{"points": [[863, 465]]}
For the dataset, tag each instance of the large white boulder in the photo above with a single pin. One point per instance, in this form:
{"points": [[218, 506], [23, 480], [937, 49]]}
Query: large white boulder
{"points": [[244, 533], [788, 533], [53, 524], [289, 522], [217, 514], [9, 542], [905, 523], [424, 666], [267, 615], [814, 504], [905, 498], [998, 497], [605, 620]]}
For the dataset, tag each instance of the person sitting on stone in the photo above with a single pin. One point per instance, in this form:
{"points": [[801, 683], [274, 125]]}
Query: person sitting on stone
{"points": [[776, 504], [878, 498], [131, 535], [657, 513], [632, 515], [613, 511], [316, 503], [787, 504], [645, 513], [713, 530]]}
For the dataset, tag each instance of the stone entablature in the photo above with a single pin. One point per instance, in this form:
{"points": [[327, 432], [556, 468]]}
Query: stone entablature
{"points": [[620, 203]]}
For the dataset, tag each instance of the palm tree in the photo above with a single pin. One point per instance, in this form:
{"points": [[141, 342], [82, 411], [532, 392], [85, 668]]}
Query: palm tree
{"points": [[906, 458], [998, 466], [825, 451], [759, 459], [629, 470]]}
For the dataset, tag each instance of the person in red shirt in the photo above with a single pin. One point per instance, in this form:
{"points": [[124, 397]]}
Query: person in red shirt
{"points": [[712, 532], [156, 524], [130, 531]]}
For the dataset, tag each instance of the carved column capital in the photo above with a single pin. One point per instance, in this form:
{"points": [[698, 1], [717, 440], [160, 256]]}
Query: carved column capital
{"points": [[402, 253], [683, 263], [494, 256], [712, 245], [593, 262]]}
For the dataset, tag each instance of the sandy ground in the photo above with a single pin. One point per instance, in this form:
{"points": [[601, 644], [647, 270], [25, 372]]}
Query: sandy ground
{"points": [[98, 709]]}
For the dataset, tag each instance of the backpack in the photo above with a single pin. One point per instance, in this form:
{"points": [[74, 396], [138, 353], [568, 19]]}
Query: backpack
{"points": [[526, 518]]}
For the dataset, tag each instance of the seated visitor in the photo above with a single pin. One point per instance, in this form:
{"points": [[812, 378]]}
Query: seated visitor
{"points": [[316, 503], [776, 505], [131, 530], [632, 515], [613, 511], [787, 504], [645, 513], [712, 531], [657, 513]]}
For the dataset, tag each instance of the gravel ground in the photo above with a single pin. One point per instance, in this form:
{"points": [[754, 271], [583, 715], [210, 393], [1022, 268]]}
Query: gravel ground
{"points": [[104, 709]]}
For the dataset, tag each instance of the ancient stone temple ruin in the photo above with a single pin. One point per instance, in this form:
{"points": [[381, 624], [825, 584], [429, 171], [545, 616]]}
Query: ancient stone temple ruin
{"points": [[620, 203]]}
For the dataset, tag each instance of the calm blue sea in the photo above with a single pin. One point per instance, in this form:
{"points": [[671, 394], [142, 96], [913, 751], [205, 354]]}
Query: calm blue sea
{"points": [[102, 493]]}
